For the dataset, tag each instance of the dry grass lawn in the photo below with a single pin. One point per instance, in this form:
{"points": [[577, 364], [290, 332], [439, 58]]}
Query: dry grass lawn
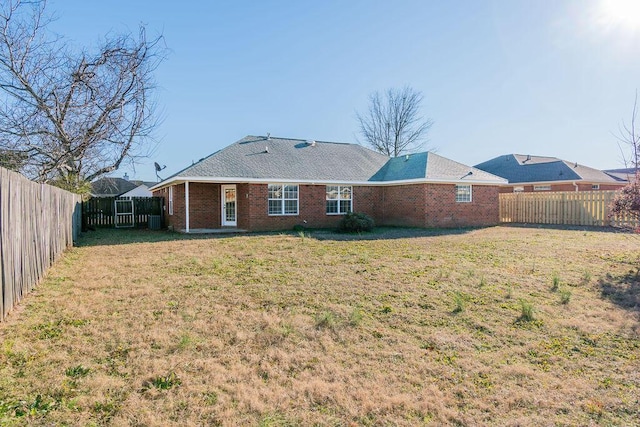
{"points": [[495, 326]]}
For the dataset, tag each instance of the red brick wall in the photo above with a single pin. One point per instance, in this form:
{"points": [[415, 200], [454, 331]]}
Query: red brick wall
{"points": [[442, 210], [434, 205], [418, 205], [177, 220], [402, 205], [205, 210], [368, 200], [246, 203], [204, 203], [253, 210]]}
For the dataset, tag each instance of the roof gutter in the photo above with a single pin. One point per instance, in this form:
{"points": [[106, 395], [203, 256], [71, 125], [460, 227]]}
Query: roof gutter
{"points": [[224, 180]]}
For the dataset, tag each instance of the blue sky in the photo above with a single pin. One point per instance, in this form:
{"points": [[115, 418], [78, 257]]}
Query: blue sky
{"points": [[541, 77]]}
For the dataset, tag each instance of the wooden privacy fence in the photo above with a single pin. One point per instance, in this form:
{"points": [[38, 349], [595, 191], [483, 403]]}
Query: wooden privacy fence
{"points": [[563, 208], [37, 223], [101, 211]]}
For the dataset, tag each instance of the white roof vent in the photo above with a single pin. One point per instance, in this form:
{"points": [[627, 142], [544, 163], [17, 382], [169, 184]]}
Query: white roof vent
{"points": [[311, 143]]}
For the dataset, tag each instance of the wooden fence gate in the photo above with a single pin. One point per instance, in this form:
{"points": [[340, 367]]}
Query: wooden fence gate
{"points": [[589, 208], [122, 212]]}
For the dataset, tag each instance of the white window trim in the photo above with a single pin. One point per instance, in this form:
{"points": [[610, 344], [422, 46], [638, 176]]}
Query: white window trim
{"points": [[282, 199], [171, 200], [339, 199], [595, 186], [541, 188], [470, 193]]}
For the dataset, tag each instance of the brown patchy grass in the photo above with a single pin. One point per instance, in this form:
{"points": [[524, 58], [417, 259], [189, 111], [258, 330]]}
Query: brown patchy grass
{"points": [[398, 327]]}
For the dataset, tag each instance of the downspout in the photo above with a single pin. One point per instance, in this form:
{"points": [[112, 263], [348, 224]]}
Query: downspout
{"points": [[575, 186], [186, 204], [384, 206]]}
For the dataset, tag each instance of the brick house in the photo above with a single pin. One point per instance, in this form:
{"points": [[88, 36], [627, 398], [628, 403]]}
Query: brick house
{"points": [[120, 187], [264, 183], [626, 175], [526, 173]]}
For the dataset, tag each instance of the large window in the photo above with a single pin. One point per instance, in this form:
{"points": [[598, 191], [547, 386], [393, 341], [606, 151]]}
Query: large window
{"points": [[463, 193], [339, 199], [283, 199]]}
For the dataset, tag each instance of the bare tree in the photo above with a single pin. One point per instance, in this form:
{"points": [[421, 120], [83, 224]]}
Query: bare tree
{"points": [[627, 201], [393, 124], [629, 140], [73, 116]]}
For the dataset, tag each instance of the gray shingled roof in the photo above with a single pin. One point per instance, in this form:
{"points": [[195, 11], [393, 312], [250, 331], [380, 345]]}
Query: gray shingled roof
{"points": [[256, 158], [622, 175], [520, 169], [280, 158], [111, 187], [429, 166]]}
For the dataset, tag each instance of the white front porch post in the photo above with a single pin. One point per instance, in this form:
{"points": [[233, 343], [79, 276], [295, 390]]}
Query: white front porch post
{"points": [[186, 204]]}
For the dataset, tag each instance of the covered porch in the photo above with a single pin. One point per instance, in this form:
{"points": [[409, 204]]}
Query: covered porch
{"points": [[204, 207]]}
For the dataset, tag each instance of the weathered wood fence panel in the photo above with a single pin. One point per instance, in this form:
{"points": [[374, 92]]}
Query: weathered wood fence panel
{"points": [[100, 211], [589, 208], [37, 223]]}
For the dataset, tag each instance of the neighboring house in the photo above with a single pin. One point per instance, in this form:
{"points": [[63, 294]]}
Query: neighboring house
{"points": [[120, 187], [266, 183], [627, 174], [142, 190], [536, 173]]}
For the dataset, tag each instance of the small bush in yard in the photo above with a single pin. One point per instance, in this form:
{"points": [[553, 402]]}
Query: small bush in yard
{"points": [[459, 300], [627, 200], [77, 371], [162, 382], [356, 316], [556, 282], [565, 296], [325, 320], [354, 222], [526, 311]]}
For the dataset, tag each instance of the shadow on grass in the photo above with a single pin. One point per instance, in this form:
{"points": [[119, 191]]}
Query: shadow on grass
{"points": [[388, 233], [592, 228], [624, 290], [123, 236]]}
